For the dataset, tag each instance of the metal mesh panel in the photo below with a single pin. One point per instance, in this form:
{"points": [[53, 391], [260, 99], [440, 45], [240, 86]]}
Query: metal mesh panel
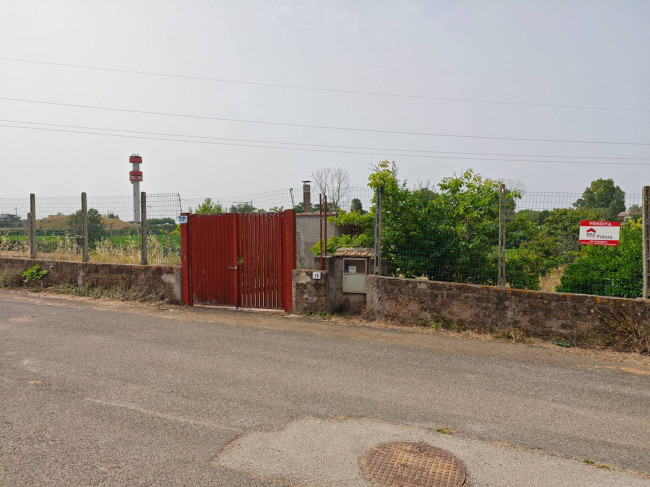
{"points": [[113, 235], [13, 227], [543, 250]]}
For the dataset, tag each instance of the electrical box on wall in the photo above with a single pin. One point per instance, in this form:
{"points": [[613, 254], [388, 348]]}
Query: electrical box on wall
{"points": [[354, 275]]}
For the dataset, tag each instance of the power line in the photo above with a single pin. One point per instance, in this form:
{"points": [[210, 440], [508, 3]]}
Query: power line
{"points": [[329, 90], [323, 127], [328, 151], [257, 141]]}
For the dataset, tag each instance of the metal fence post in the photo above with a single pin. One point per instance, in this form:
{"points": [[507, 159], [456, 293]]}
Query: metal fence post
{"points": [[378, 211], [110, 232], [32, 226], [320, 219], [143, 226], [325, 225], [502, 236], [84, 226], [645, 201]]}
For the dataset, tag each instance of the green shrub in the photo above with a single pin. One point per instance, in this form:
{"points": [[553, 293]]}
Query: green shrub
{"points": [[608, 271], [34, 275]]}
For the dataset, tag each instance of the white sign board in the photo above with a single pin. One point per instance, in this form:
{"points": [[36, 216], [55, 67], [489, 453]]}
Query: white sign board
{"points": [[182, 219], [600, 233]]}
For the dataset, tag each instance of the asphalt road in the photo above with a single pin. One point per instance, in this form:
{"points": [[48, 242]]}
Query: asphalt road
{"points": [[107, 393]]}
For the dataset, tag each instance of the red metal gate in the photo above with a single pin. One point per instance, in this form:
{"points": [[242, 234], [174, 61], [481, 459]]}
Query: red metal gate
{"points": [[239, 259]]}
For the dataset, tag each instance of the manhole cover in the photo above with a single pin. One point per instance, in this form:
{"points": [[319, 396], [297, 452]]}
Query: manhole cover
{"points": [[412, 465]]}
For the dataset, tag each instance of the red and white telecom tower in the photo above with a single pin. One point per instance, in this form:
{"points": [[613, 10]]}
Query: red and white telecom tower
{"points": [[135, 176]]}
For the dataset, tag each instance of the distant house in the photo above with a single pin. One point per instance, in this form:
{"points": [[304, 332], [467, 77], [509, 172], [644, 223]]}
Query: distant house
{"points": [[630, 215]]}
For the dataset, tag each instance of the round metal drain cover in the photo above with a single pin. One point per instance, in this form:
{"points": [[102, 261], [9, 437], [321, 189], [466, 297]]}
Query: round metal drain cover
{"points": [[412, 465]]}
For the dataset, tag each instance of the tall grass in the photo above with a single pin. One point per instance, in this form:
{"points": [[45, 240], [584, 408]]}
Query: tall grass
{"points": [[68, 249]]}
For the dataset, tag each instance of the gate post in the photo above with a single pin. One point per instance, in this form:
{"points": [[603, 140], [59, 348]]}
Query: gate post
{"points": [[288, 257], [186, 283]]}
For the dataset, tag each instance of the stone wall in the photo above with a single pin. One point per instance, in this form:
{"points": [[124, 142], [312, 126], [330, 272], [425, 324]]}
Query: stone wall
{"points": [[146, 281], [309, 294], [574, 317]]}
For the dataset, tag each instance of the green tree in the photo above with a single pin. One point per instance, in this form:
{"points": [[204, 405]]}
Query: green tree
{"points": [[356, 205], [95, 226], [208, 207], [10, 220], [161, 221], [604, 195], [245, 207], [450, 233], [609, 271], [300, 207], [546, 246]]}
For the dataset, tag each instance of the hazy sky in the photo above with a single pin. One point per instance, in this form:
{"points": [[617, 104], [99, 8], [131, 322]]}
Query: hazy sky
{"points": [[581, 53]]}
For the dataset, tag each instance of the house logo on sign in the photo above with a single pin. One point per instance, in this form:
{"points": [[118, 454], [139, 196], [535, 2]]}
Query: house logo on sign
{"points": [[591, 232]]}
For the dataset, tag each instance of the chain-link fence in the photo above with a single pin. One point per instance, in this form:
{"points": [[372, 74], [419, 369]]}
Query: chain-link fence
{"points": [[113, 235], [13, 229], [543, 251], [454, 237], [277, 200], [446, 235]]}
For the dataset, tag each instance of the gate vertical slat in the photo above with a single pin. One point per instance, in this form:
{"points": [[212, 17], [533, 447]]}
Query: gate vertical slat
{"points": [[264, 260], [267, 261], [278, 256], [249, 263], [258, 263], [246, 266], [274, 262], [260, 266], [218, 232], [258, 274], [214, 277]]}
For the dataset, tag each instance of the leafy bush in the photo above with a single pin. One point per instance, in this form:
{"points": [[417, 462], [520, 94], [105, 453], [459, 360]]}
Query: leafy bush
{"points": [[34, 275], [208, 208], [608, 271]]}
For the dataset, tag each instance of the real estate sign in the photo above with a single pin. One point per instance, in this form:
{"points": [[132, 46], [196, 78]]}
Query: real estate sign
{"points": [[600, 233]]}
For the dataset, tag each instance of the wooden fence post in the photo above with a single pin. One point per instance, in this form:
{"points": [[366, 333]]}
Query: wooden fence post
{"points": [[377, 250], [143, 226], [502, 236], [646, 241], [84, 226], [32, 226]]}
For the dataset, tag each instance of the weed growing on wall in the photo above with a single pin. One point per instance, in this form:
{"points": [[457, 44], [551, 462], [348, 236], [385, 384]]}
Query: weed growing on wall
{"points": [[34, 275]]}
